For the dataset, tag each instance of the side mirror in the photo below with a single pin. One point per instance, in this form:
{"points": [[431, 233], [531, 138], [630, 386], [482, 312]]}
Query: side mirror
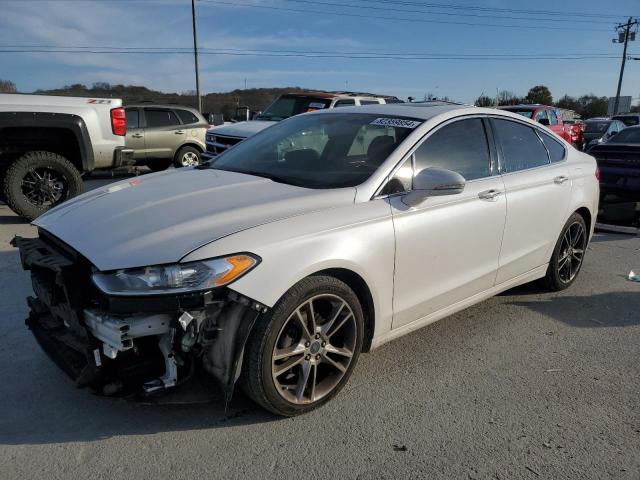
{"points": [[544, 121], [433, 182]]}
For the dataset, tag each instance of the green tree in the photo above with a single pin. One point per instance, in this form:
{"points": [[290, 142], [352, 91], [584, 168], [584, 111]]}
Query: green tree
{"points": [[539, 94], [7, 86], [505, 97]]}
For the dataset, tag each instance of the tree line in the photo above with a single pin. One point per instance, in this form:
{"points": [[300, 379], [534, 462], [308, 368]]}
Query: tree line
{"points": [[587, 106]]}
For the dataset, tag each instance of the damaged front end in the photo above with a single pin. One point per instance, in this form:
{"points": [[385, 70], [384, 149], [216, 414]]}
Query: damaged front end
{"points": [[121, 345]]}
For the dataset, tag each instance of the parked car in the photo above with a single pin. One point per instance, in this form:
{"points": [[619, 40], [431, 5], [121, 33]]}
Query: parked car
{"points": [[629, 119], [162, 135], [285, 106], [546, 115], [619, 163], [574, 129], [599, 130], [280, 262], [47, 143]]}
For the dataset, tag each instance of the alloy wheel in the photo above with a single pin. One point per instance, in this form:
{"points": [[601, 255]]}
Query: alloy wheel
{"points": [[44, 187], [190, 159], [314, 349], [572, 249]]}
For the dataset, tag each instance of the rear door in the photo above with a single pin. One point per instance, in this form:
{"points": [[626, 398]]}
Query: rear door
{"points": [[135, 133], [537, 194], [163, 132]]}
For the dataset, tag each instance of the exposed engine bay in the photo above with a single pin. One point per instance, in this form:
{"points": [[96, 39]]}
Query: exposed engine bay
{"points": [[124, 345]]}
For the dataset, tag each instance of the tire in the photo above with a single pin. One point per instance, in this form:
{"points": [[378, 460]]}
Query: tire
{"points": [[279, 329], [557, 278], [159, 165], [38, 181], [187, 157]]}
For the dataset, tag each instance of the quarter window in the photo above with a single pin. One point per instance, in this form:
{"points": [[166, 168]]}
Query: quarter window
{"points": [[460, 146], [521, 146], [555, 148], [133, 118], [160, 118], [344, 103]]}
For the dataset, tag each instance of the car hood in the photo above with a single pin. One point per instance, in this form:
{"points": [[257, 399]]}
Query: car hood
{"points": [[160, 218], [241, 129]]}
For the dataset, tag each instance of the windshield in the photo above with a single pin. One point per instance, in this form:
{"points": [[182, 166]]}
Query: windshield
{"points": [[319, 151], [289, 105], [596, 127], [628, 135]]}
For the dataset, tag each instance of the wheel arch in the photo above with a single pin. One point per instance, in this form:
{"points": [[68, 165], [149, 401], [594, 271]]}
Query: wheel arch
{"points": [[362, 291], [585, 213], [187, 144]]}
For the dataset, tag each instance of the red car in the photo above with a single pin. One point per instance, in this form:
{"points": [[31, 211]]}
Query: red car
{"points": [[544, 114], [575, 128]]}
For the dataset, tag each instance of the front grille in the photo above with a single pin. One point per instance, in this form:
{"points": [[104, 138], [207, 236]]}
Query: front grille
{"points": [[216, 144]]}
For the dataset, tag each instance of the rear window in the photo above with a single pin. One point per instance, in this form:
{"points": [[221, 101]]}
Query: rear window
{"points": [[628, 135], [629, 121], [187, 117], [596, 127], [524, 113]]}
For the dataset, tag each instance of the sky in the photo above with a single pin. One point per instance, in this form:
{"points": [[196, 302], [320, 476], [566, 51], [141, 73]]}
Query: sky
{"points": [[260, 29]]}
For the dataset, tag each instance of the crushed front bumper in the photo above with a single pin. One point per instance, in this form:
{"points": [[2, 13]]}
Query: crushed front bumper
{"points": [[123, 345]]}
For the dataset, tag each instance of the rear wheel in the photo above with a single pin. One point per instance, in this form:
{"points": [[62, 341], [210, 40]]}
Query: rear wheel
{"points": [[187, 157], [38, 181], [568, 254], [303, 351]]}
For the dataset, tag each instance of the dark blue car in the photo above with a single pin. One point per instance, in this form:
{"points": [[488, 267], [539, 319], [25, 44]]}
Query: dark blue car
{"points": [[619, 163]]}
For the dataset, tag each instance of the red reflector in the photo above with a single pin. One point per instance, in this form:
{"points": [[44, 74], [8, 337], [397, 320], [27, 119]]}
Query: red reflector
{"points": [[597, 173], [118, 121]]}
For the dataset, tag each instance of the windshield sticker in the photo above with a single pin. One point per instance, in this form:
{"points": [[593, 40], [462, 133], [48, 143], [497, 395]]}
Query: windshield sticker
{"points": [[395, 122], [316, 105]]}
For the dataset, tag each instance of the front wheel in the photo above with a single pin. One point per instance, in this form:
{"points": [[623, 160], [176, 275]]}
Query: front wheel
{"points": [[38, 181], [303, 351], [568, 254]]}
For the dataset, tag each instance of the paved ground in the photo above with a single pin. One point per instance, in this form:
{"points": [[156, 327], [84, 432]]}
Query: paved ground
{"points": [[527, 385]]}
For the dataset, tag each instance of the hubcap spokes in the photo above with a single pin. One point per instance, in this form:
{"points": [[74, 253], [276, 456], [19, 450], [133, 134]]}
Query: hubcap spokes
{"points": [[43, 186], [571, 252], [189, 159], [314, 349]]}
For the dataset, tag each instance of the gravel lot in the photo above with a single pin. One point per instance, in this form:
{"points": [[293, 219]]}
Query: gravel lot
{"points": [[525, 385]]}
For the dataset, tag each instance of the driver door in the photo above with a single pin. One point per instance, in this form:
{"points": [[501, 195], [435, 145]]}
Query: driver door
{"points": [[447, 248]]}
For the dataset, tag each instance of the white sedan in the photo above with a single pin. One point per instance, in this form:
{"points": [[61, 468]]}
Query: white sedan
{"points": [[319, 238]]}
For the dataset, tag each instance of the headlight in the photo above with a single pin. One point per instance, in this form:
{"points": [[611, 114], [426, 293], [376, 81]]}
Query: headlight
{"points": [[176, 278]]}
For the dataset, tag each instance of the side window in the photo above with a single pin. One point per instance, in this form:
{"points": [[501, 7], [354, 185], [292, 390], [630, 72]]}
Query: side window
{"points": [[460, 146], [521, 146], [369, 102], [160, 118], [187, 117], [556, 150], [133, 118], [553, 117], [345, 103]]}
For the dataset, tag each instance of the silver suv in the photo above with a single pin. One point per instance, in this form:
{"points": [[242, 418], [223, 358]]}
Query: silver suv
{"points": [[161, 135]]}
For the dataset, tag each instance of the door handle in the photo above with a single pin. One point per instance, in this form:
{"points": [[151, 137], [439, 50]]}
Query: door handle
{"points": [[136, 135], [489, 194], [179, 132], [560, 179]]}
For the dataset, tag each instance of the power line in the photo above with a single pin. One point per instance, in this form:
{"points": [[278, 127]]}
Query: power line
{"points": [[401, 19], [453, 14]]}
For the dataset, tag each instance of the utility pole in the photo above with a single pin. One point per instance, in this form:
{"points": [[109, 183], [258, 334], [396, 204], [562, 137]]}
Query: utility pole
{"points": [[195, 54], [623, 37]]}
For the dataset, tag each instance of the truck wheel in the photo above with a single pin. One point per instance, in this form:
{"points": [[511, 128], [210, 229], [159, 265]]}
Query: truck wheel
{"points": [[187, 157], [38, 181]]}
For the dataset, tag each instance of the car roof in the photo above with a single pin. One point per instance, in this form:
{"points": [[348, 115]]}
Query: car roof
{"points": [[422, 111], [528, 106], [161, 105], [338, 94]]}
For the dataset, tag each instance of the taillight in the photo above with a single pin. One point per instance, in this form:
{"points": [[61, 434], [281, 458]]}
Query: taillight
{"points": [[598, 173], [118, 121]]}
